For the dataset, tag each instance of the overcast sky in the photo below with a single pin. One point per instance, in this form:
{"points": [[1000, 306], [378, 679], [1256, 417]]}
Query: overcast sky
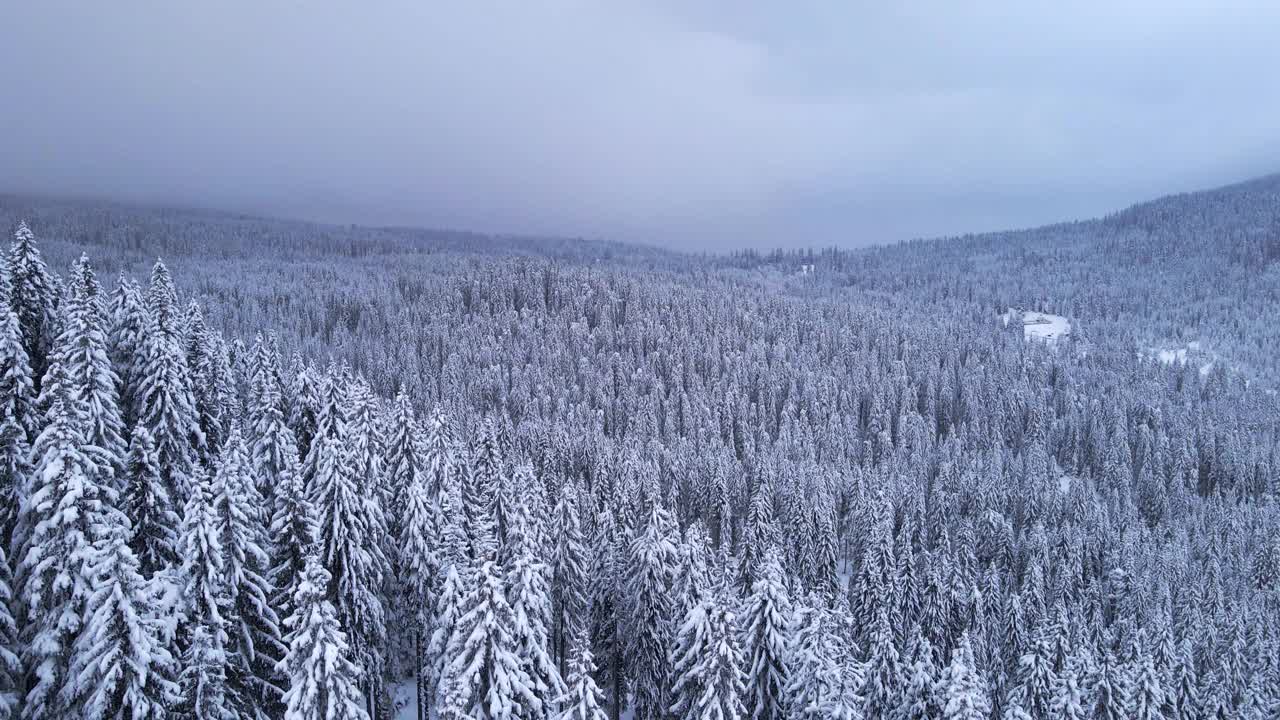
{"points": [[678, 122]]}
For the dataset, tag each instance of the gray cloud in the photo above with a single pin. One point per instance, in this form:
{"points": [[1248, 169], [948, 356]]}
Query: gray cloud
{"points": [[687, 123]]}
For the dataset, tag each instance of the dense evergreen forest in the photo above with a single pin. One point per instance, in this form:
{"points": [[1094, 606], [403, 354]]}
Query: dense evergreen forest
{"points": [[327, 473]]}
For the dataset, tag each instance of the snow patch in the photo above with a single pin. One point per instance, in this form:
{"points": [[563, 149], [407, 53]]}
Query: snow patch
{"points": [[1039, 326], [404, 700]]}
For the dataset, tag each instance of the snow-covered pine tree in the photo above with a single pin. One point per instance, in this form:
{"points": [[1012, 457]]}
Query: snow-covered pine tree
{"points": [[530, 601], [322, 683], [123, 667], [530, 492], [1068, 700], [17, 418], [884, 671], [351, 535], [33, 297], [1146, 694], [127, 322], [826, 577], [842, 702], [154, 521], [305, 402], [965, 692], [692, 580], [202, 631], [207, 379], [650, 570], [203, 680], [606, 608], [706, 665], [759, 536], [17, 391], [481, 496], [273, 448], [582, 699], [266, 380], [324, 447], [484, 677], [404, 602], [163, 400], [253, 627], [10, 666], [81, 351], [447, 610], [1035, 677], [419, 570], [1182, 701], [920, 698], [765, 639], [810, 655], [293, 528], [439, 449], [568, 574], [404, 456], [1109, 686], [15, 478], [65, 511]]}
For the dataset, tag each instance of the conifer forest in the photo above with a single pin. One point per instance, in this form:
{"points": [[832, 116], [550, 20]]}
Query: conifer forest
{"points": [[256, 469]]}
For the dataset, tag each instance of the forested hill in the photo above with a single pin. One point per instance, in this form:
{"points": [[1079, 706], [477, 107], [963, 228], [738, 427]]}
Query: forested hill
{"points": [[134, 235], [286, 479], [1198, 269]]}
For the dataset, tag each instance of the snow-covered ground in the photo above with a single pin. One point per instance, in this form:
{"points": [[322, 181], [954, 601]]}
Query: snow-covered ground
{"points": [[404, 699], [1182, 355], [1040, 326]]}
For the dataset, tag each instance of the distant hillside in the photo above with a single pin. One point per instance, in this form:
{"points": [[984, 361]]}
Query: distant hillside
{"points": [[1191, 268], [135, 235], [1195, 272]]}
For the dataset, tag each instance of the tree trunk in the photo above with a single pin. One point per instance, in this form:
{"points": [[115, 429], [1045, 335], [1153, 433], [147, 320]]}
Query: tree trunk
{"points": [[423, 708]]}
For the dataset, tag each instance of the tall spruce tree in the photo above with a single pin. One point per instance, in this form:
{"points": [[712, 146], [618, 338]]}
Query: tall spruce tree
{"points": [[530, 601], [350, 538], [582, 699], [253, 626], [965, 694], [128, 320], [484, 675], [568, 575], [164, 403], [650, 571], [81, 351], [765, 639], [123, 667], [17, 390], [17, 418], [67, 510], [203, 637], [10, 666], [322, 682], [706, 665], [154, 521], [33, 297], [419, 567], [607, 607], [921, 699], [293, 528], [481, 497]]}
